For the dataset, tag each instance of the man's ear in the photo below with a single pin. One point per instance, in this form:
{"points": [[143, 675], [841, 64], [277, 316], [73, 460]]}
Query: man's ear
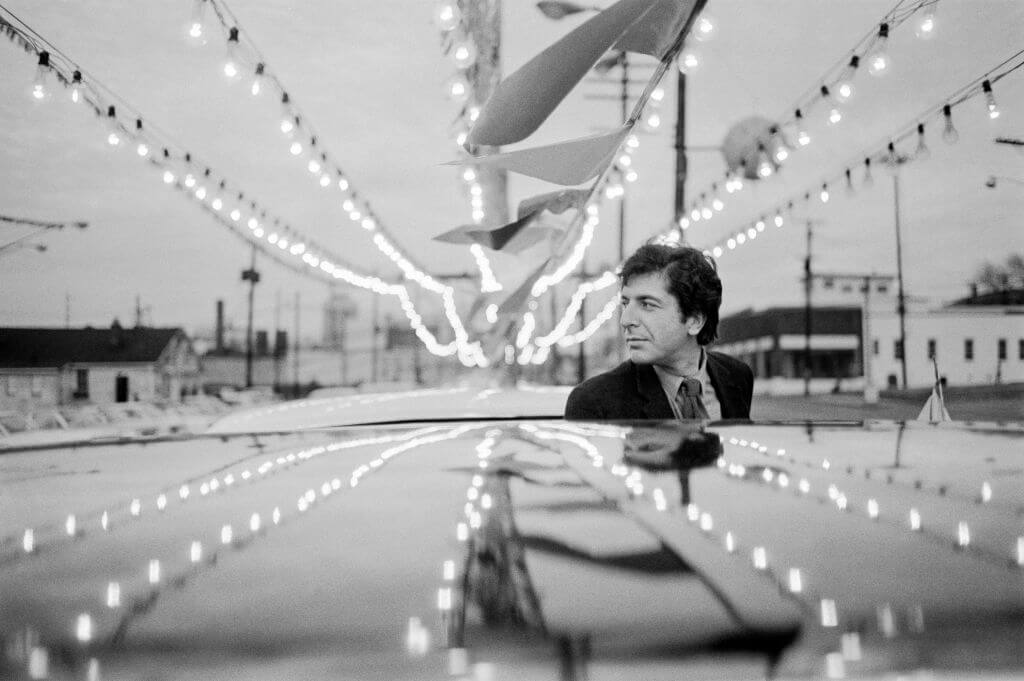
{"points": [[694, 324]]}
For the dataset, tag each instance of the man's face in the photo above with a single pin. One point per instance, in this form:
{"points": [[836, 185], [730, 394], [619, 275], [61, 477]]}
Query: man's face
{"points": [[652, 323]]}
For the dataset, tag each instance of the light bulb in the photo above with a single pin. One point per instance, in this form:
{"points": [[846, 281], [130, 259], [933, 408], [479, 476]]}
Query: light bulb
{"points": [[844, 86], [40, 84], [949, 132], [705, 28], [868, 179], [778, 220], [834, 116], [921, 153], [457, 88], [658, 94], [113, 129], [824, 195], [230, 68], [446, 15], [195, 31], [781, 153], [878, 60], [464, 54], [990, 100], [653, 121], [802, 138], [288, 119], [76, 87], [925, 27], [295, 149], [142, 149], [688, 61], [257, 80], [706, 213], [764, 165]]}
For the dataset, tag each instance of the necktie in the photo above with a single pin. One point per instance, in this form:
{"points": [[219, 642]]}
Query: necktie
{"points": [[688, 400]]}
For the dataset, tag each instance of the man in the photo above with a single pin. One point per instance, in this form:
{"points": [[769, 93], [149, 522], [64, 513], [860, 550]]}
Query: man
{"points": [[670, 298]]}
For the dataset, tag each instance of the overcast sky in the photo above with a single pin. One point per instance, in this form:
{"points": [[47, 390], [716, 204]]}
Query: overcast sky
{"points": [[369, 76]]}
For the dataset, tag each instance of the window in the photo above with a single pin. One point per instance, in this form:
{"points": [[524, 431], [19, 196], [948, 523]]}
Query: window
{"points": [[81, 383], [931, 348], [37, 385], [968, 349], [897, 349], [11, 388], [1002, 348], [883, 288], [875, 350]]}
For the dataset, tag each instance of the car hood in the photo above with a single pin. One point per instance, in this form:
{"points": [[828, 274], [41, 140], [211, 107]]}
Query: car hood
{"points": [[528, 550]]}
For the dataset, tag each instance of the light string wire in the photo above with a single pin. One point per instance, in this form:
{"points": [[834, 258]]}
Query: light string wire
{"points": [[885, 152], [704, 208], [469, 353], [94, 93]]}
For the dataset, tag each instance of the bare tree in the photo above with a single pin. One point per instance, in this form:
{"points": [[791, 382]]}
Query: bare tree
{"points": [[1001, 277]]}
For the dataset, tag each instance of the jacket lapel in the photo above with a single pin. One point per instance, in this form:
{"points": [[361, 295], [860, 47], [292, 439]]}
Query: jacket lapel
{"points": [[654, 404]]}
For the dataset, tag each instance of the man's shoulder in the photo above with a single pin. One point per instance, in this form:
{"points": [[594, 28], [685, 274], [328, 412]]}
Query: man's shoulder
{"points": [[608, 379], [729, 362]]}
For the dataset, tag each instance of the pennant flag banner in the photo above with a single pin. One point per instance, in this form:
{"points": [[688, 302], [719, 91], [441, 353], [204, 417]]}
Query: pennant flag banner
{"points": [[515, 302], [566, 163], [934, 410], [657, 30], [525, 99], [554, 202]]}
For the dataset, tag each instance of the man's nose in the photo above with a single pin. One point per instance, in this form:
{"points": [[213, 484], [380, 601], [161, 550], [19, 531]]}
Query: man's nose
{"points": [[627, 318]]}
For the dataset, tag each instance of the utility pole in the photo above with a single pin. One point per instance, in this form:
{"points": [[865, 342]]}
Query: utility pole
{"points": [[808, 285], [252, 276], [901, 304], [680, 197], [375, 329], [295, 344], [624, 101]]}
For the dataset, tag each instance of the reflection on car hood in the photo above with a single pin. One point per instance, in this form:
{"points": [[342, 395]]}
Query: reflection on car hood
{"points": [[400, 407], [519, 550]]}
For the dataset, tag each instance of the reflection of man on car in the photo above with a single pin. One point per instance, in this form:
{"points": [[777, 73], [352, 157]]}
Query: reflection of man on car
{"points": [[670, 300]]}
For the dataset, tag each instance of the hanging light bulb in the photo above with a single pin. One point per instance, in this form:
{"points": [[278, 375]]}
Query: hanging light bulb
{"points": [[878, 60], [802, 138], [456, 88], [824, 195], [195, 31], [288, 119], [257, 80], [990, 100], [114, 131], [849, 181], [844, 86], [76, 86], [834, 114], [40, 87], [653, 121], [230, 68], [922, 152], [925, 27], [949, 132], [142, 149], [868, 179], [764, 164], [781, 153], [689, 60], [705, 28], [464, 54], [446, 15]]}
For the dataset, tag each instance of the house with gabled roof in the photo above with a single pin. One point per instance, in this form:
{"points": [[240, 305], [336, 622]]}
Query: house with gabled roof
{"points": [[54, 366]]}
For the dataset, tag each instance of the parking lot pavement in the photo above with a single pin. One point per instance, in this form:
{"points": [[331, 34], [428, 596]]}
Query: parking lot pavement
{"points": [[848, 406]]}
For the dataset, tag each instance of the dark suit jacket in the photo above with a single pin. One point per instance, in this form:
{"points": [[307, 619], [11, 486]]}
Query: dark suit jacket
{"points": [[633, 391]]}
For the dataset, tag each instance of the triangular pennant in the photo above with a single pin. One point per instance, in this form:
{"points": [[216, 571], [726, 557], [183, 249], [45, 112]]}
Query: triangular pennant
{"points": [[566, 163], [657, 30], [528, 238], [525, 99], [459, 235], [515, 302], [556, 202]]}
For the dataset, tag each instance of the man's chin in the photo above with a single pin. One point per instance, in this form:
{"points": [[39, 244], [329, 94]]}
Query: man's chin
{"points": [[637, 355]]}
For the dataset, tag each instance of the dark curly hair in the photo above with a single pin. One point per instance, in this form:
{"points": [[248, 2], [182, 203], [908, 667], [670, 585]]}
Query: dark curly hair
{"points": [[692, 278]]}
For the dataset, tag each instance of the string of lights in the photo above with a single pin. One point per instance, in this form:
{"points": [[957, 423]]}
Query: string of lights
{"points": [[457, 43], [186, 172], [243, 55], [886, 152], [833, 89]]}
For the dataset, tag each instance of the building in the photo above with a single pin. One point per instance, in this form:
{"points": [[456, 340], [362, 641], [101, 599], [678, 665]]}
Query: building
{"points": [[978, 340], [49, 367]]}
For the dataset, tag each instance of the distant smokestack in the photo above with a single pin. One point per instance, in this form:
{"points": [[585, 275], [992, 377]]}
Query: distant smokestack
{"points": [[219, 339]]}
